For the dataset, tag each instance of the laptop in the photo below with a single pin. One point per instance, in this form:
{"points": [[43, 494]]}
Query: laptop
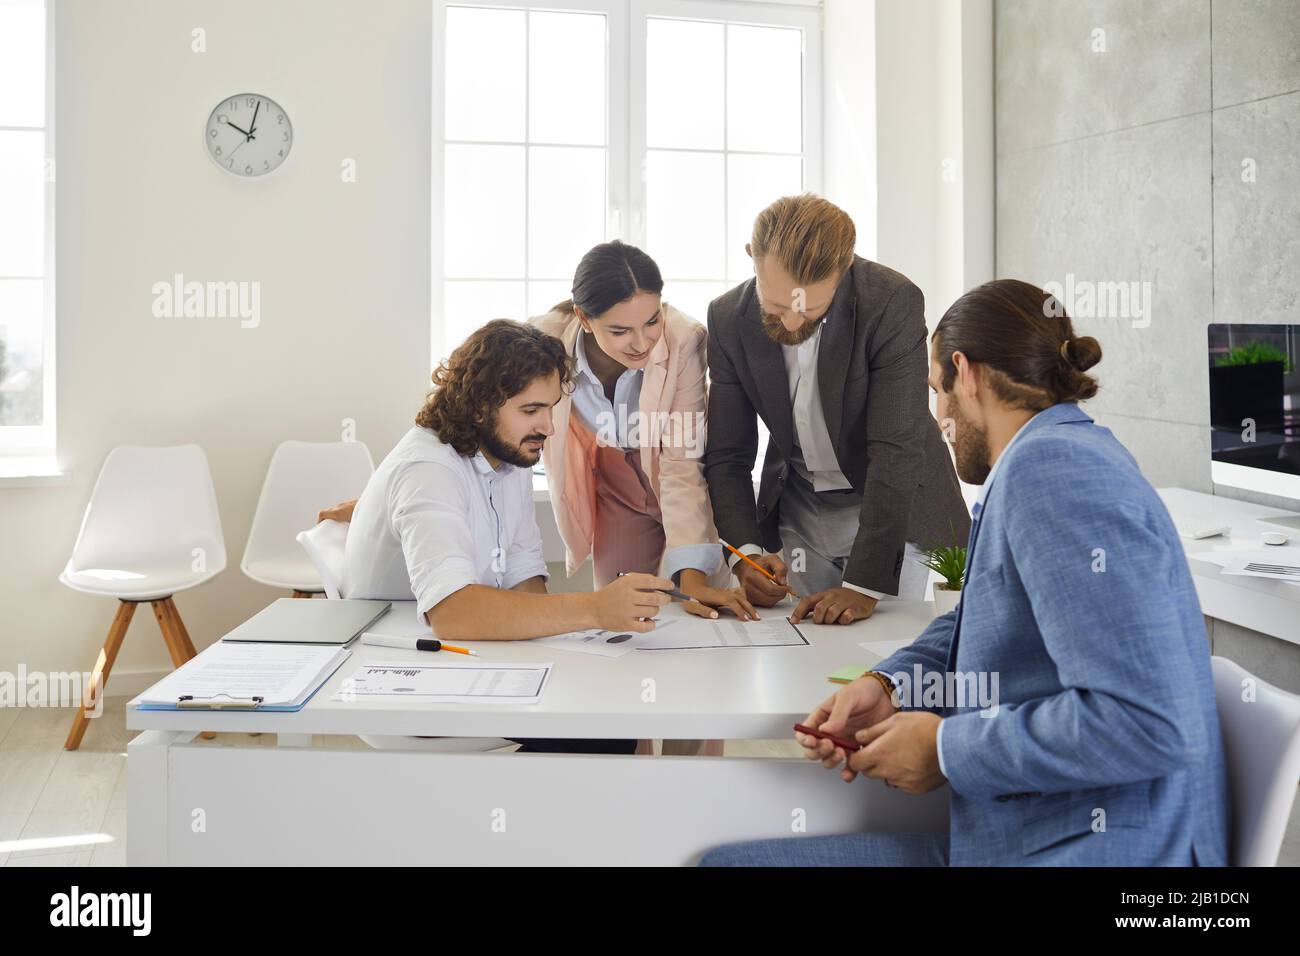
{"points": [[308, 621]]}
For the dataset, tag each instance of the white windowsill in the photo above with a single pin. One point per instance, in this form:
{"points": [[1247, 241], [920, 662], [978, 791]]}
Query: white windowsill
{"points": [[31, 472]]}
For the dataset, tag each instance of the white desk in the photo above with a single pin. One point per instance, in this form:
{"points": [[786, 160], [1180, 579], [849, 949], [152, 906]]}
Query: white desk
{"points": [[1270, 607], [295, 804]]}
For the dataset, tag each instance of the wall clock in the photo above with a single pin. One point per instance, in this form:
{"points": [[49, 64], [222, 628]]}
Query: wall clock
{"points": [[248, 135]]}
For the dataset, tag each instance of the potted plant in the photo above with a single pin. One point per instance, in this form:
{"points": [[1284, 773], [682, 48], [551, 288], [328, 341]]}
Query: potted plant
{"points": [[949, 562], [1248, 382]]}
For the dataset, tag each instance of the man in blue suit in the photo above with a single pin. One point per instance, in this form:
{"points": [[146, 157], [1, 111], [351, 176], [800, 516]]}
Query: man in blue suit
{"points": [[1103, 746]]}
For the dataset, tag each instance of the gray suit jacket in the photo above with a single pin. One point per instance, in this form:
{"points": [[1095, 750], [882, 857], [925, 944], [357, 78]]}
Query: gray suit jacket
{"points": [[872, 367]]}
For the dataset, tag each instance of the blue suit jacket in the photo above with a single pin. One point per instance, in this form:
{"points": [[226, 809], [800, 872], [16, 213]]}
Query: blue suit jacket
{"points": [[1105, 747]]}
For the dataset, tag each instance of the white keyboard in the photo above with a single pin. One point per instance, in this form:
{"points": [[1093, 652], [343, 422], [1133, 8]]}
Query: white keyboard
{"points": [[1196, 529]]}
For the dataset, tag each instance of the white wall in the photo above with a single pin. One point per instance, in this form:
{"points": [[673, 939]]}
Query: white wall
{"points": [[344, 269], [909, 131]]}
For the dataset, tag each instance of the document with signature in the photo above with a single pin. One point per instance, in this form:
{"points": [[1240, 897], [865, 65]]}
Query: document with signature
{"points": [[467, 682]]}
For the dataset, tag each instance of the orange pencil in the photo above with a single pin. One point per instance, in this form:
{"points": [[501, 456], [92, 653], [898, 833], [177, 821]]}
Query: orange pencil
{"points": [[766, 573], [458, 650]]}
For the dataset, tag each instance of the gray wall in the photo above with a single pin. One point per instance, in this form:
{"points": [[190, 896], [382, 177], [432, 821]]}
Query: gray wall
{"points": [[1127, 166]]}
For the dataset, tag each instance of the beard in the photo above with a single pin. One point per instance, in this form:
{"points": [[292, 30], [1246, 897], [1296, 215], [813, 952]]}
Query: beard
{"points": [[970, 447], [501, 449], [780, 334]]}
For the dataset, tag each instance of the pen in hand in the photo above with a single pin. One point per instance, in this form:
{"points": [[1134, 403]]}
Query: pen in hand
{"points": [[762, 570]]}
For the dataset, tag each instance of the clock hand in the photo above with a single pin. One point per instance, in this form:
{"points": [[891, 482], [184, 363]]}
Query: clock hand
{"points": [[253, 124], [233, 126]]}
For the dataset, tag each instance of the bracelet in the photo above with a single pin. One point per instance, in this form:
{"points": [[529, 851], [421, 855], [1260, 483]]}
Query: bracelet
{"points": [[885, 682]]}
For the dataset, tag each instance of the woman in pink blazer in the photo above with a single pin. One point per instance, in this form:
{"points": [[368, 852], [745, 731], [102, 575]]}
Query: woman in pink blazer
{"points": [[625, 465]]}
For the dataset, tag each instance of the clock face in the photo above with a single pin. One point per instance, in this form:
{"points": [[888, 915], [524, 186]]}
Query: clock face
{"points": [[248, 135]]}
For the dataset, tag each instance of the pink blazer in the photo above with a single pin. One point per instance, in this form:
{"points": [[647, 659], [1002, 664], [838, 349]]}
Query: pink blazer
{"points": [[674, 391]]}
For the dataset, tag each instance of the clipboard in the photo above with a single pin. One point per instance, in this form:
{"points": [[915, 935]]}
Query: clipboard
{"points": [[221, 702]]}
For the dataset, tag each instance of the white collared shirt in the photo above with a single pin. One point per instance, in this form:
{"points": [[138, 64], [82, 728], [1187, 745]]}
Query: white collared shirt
{"points": [[821, 466], [432, 521], [609, 421]]}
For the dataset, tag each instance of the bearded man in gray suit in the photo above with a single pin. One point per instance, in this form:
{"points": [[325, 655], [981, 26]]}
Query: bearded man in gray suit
{"points": [[829, 349]]}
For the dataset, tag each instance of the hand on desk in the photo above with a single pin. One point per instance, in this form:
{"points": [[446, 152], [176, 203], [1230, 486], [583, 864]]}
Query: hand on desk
{"points": [[899, 747], [835, 606], [709, 601]]}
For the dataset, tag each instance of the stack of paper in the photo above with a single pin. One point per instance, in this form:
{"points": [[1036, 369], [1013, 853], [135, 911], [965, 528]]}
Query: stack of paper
{"points": [[283, 676]]}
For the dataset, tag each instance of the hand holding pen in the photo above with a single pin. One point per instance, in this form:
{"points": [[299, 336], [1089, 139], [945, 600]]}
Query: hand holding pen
{"points": [[768, 586]]}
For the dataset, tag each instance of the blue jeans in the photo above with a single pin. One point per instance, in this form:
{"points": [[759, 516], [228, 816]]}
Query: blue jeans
{"points": [[851, 849]]}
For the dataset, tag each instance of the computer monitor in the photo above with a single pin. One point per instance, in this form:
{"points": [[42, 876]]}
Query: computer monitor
{"points": [[1255, 410]]}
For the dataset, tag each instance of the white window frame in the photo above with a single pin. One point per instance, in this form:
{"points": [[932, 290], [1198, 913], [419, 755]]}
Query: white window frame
{"points": [[30, 450], [625, 105], [616, 132], [806, 16]]}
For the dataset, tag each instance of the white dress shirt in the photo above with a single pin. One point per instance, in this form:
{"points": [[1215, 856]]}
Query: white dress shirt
{"points": [[610, 422], [432, 521], [819, 467], [607, 420]]}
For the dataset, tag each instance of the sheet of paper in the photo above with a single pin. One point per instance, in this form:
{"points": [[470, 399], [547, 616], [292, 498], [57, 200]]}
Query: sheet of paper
{"points": [[883, 648], [606, 643], [281, 674], [693, 632], [469, 682], [1279, 564]]}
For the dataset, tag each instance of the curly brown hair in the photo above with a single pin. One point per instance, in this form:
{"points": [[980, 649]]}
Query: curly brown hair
{"points": [[497, 362]]}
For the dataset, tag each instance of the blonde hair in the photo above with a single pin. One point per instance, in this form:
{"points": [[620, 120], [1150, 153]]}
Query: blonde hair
{"points": [[811, 237]]}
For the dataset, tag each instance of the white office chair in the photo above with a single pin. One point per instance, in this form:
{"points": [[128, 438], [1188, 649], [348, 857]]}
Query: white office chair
{"points": [[325, 545], [303, 478], [151, 529], [1261, 740]]}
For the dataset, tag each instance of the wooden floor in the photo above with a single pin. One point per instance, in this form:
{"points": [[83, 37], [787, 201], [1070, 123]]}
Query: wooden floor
{"points": [[61, 808]]}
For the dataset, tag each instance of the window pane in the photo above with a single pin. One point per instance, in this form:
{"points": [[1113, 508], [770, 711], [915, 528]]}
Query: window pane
{"points": [[684, 88], [764, 89], [484, 232], [753, 183], [693, 298], [485, 74], [22, 203], [566, 208], [21, 324], [22, 63], [684, 216], [468, 305], [542, 296], [566, 78]]}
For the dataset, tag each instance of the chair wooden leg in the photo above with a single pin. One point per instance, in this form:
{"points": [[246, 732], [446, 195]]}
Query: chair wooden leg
{"points": [[176, 638], [174, 646], [304, 594], [103, 666], [178, 627]]}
